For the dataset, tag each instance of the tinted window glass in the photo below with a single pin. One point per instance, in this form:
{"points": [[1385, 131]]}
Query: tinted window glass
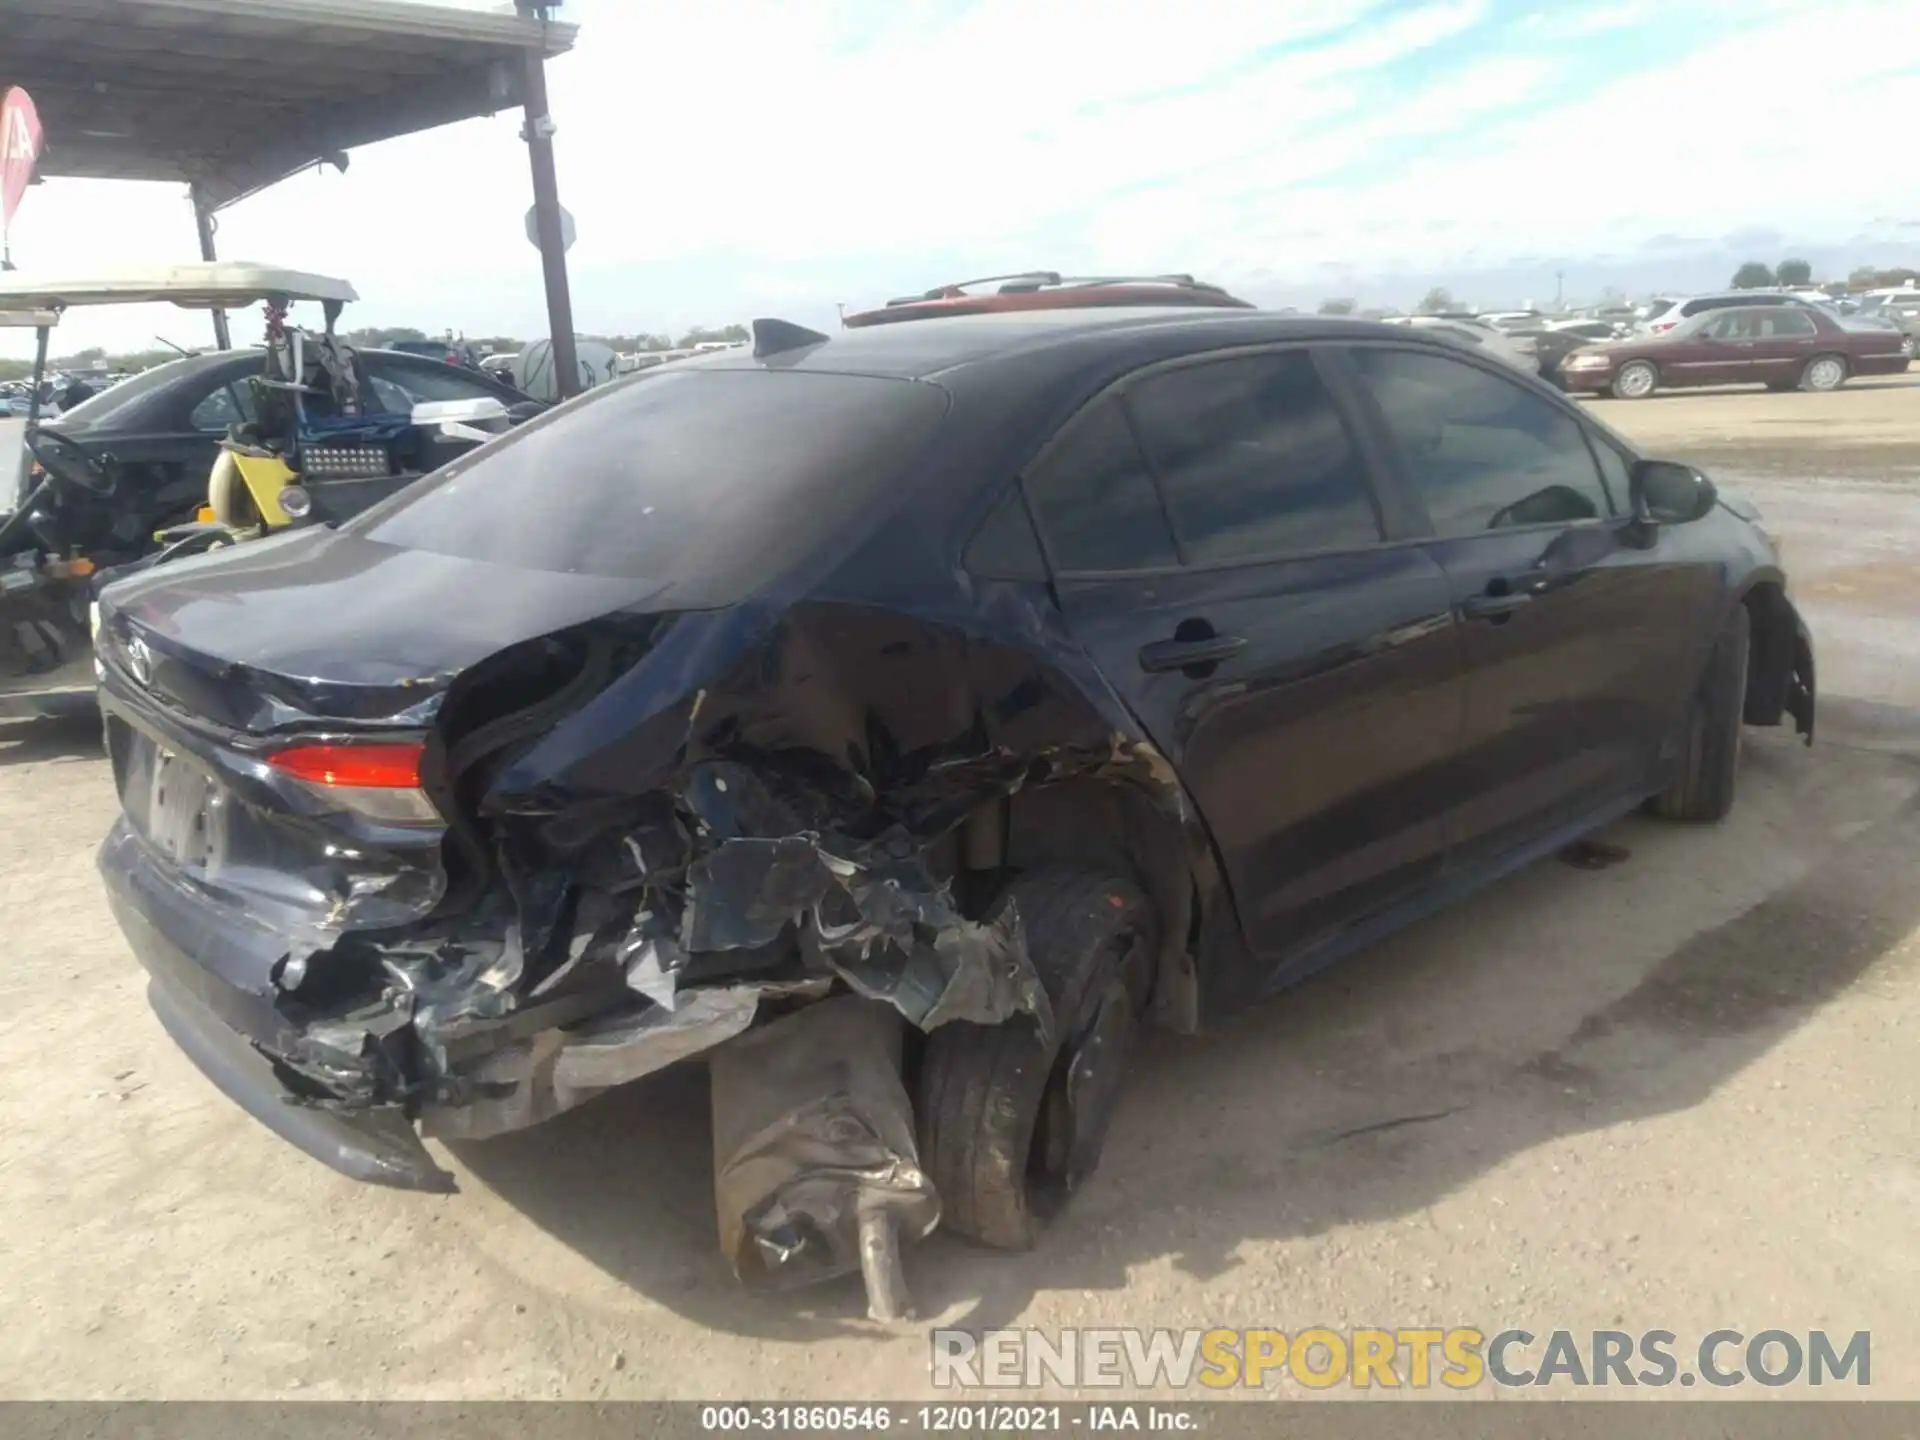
{"points": [[1781, 323], [135, 389], [423, 383], [222, 408], [1005, 547], [1616, 473], [1253, 459], [1483, 452], [1095, 500], [713, 478]]}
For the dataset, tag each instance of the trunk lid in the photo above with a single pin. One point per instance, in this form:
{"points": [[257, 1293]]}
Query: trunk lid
{"points": [[213, 665], [320, 626]]}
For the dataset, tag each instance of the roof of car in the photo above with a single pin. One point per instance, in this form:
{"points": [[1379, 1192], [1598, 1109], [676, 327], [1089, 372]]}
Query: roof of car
{"points": [[928, 347]]}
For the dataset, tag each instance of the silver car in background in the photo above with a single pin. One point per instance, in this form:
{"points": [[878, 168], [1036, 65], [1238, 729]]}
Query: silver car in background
{"points": [[1519, 351]]}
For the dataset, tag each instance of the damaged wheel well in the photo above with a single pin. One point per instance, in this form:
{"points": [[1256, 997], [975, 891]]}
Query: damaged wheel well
{"points": [[1092, 823], [1771, 659]]}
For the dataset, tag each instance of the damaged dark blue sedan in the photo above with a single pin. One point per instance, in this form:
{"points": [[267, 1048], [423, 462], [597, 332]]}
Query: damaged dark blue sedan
{"points": [[903, 717]]}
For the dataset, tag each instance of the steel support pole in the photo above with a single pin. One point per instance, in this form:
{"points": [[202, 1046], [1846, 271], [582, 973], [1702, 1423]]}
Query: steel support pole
{"points": [[42, 335], [203, 222], [538, 133]]}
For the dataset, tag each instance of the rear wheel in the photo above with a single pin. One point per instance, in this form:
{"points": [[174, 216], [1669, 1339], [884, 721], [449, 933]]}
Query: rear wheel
{"points": [[1637, 380], [1824, 372], [1011, 1122], [1704, 790]]}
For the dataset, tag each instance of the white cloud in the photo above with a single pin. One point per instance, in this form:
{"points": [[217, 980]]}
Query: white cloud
{"points": [[736, 154]]}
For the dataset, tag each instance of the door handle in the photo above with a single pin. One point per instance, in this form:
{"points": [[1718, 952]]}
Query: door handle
{"points": [[1164, 655], [1493, 607]]}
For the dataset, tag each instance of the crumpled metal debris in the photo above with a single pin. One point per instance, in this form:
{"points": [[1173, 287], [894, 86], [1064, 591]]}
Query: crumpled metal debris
{"points": [[816, 1173], [869, 911], [555, 1070]]}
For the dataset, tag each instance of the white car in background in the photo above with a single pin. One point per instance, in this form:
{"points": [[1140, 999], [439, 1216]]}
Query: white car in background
{"points": [[1519, 351], [1598, 331], [1511, 319]]}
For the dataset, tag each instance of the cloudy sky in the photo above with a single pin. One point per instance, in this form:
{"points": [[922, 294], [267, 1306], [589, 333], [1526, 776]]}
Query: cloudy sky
{"points": [[744, 157]]}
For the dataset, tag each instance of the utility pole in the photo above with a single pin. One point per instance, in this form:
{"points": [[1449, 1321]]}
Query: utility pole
{"points": [[1559, 290], [538, 133]]}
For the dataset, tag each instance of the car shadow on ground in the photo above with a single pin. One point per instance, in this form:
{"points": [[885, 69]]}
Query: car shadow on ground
{"points": [[34, 742], [1366, 1094]]}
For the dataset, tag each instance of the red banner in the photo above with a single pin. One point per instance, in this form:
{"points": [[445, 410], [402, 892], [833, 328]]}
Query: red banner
{"points": [[19, 149]]}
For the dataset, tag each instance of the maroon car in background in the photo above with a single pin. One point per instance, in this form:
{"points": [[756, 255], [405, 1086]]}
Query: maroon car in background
{"points": [[1780, 346]]}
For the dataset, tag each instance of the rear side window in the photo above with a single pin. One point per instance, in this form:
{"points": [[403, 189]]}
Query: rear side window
{"points": [[1782, 323], [1484, 453], [224, 407], [714, 478], [1253, 458], [1005, 547], [424, 383], [1095, 500]]}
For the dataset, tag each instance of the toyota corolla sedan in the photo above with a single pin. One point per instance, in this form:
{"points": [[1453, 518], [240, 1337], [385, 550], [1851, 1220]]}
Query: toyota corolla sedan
{"points": [[1784, 347], [1011, 681]]}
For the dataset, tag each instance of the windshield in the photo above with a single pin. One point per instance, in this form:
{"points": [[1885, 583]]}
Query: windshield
{"points": [[695, 475]]}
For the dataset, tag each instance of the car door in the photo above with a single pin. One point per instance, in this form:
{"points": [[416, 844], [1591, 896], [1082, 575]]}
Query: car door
{"points": [[1719, 352], [1784, 339], [1572, 631], [1217, 546]]}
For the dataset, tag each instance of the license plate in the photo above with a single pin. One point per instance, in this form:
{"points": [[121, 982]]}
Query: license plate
{"points": [[178, 806]]}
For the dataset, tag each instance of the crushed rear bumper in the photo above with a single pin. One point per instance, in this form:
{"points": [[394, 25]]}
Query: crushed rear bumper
{"points": [[217, 1005]]}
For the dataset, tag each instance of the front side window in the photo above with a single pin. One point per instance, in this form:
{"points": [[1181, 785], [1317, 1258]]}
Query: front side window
{"points": [[1095, 500], [1483, 453], [1253, 459], [1616, 473]]}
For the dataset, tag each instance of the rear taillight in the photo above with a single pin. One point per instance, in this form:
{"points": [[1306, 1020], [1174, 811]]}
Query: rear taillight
{"points": [[378, 781]]}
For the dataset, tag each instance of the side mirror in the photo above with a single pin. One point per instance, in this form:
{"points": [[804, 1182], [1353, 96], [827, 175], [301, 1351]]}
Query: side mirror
{"points": [[1664, 492]]}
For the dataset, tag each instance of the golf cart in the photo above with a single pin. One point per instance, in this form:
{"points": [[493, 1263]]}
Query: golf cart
{"points": [[315, 432], [46, 654]]}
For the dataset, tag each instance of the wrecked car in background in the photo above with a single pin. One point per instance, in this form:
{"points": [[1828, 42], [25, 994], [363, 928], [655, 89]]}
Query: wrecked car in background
{"points": [[903, 717]]}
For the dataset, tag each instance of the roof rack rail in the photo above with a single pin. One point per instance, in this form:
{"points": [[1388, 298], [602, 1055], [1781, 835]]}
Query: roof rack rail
{"points": [[1027, 281], [956, 288], [1183, 280]]}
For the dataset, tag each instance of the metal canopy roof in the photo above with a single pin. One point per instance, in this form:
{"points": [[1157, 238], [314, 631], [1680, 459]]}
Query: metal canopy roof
{"points": [[232, 95], [222, 284]]}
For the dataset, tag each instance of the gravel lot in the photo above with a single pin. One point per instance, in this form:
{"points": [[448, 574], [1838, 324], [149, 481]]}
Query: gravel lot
{"points": [[1674, 1093]]}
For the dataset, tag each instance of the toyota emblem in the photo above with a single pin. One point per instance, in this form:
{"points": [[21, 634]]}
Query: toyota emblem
{"points": [[140, 660]]}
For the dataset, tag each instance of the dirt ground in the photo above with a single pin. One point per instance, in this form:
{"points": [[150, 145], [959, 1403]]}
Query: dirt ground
{"points": [[1674, 1093]]}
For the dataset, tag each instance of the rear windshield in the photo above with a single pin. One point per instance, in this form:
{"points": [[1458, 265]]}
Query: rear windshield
{"points": [[672, 475], [137, 387]]}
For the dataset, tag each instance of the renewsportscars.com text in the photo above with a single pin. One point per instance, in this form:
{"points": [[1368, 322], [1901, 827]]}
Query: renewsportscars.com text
{"points": [[1459, 1358]]}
